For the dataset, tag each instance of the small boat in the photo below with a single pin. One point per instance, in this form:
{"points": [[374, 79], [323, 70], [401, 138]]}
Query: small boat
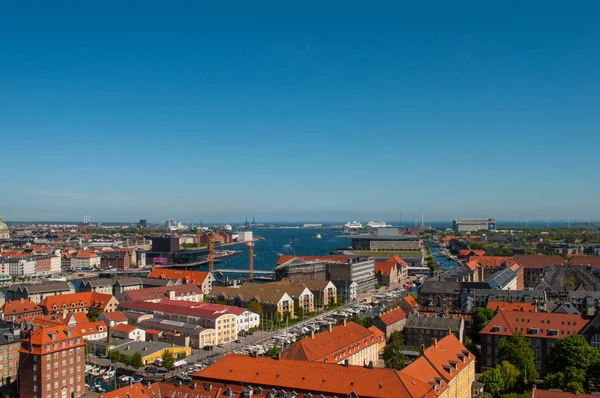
{"points": [[125, 379], [109, 374], [318, 236], [138, 379], [183, 378]]}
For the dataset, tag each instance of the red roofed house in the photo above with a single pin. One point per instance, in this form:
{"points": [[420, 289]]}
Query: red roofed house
{"points": [[93, 331], [387, 273], [85, 259], [348, 343], [18, 310], [283, 376], [113, 318], [542, 329], [87, 302], [537, 393], [380, 337], [390, 321], [59, 348], [131, 332], [203, 279]]}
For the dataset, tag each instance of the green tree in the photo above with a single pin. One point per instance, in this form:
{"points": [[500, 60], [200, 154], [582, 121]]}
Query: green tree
{"points": [[300, 312], [510, 374], [168, 360], [255, 307], [271, 352], [277, 317], [377, 286], [494, 383], [392, 353], [593, 378], [125, 360], [568, 363], [526, 394], [367, 321], [571, 281], [287, 316], [136, 360], [115, 356], [481, 316], [471, 346], [516, 350], [181, 355]]}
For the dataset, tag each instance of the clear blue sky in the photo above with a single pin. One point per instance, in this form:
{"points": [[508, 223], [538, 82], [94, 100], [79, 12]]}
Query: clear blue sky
{"points": [[320, 110]]}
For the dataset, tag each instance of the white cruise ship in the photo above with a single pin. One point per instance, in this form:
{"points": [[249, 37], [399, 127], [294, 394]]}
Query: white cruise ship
{"points": [[353, 225], [377, 224]]}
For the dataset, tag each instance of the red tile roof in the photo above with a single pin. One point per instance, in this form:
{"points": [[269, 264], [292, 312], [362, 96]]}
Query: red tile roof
{"points": [[123, 328], [80, 318], [420, 369], [593, 261], [489, 261], [316, 377], [538, 261], [331, 346], [472, 265], [338, 259], [158, 293], [23, 306], [138, 390], [115, 316], [535, 324], [47, 334], [384, 267], [76, 300], [193, 277], [396, 260], [92, 328], [511, 306], [200, 310], [537, 393], [411, 301], [393, 316], [448, 357]]}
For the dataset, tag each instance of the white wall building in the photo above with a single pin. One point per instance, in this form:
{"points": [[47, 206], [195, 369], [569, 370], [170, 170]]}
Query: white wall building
{"points": [[56, 262], [22, 268], [244, 236], [248, 320]]}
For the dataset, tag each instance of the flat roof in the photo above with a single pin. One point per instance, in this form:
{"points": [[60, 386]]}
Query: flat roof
{"points": [[381, 237]]}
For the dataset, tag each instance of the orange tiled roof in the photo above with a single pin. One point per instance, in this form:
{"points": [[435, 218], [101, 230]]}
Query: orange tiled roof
{"points": [[384, 267], [316, 377], [43, 335], [138, 390], [328, 346], [86, 254], [411, 301], [472, 265], [115, 316], [23, 306], [448, 357], [395, 259], [593, 261], [420, 369], [80, 318], [511, 306], [123, 328], [393, 316], [537, 393], [379, 335], [489, 261], [535, 324], [76, 300], [538, 260], [194, 277]]}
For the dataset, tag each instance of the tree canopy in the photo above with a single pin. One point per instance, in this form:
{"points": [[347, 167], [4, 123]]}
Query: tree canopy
{"points": [[481, 316], [568, 363], [168, 360], [493, 380], [392, 355], [136, 360], [256, 307], [516, 350]]}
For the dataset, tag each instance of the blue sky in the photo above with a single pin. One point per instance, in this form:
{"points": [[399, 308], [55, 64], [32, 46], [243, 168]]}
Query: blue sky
{"points": [[314, 111]]}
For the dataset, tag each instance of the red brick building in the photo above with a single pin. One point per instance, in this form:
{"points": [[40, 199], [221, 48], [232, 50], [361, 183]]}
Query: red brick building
{"points": [[117, 259], [541, 329], [52, 362]]}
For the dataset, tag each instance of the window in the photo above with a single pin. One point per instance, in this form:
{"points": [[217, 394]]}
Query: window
{"points": [[595, 342]]}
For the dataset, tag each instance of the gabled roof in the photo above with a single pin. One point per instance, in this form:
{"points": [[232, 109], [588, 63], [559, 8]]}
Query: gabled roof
{"points": [[393, 316], [115, 316], [538, 261], [448, 357], [489, 261], [199, 310], [385, 268], [593, 261], [316, 377], [328, 346], [538, 393], [123, 328], [79, 318], [535, 324], [92, 328], [155, 293], [137, 390], [46, 334], [193, 277], [395, 260], [76, 300], [472, 265], [22, 306], [420, 369]]}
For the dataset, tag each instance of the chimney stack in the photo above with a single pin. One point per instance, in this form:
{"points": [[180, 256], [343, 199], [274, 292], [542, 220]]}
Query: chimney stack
{"points": [[331, 327], [434, 342], [344, 321], [312, 334], [449, 332], [422, 348]]}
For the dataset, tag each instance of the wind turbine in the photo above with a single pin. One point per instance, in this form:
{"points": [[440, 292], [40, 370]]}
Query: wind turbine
{"points": [[526, 223], [547, 222], [569, 222], [589, 221]]}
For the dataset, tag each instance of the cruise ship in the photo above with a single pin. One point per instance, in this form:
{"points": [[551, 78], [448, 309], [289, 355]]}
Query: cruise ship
{"points": [[353, 225], [377, 224]]}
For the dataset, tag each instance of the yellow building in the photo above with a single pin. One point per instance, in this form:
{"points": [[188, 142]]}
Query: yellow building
{"points": [[454, 363], [151, 350]]}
